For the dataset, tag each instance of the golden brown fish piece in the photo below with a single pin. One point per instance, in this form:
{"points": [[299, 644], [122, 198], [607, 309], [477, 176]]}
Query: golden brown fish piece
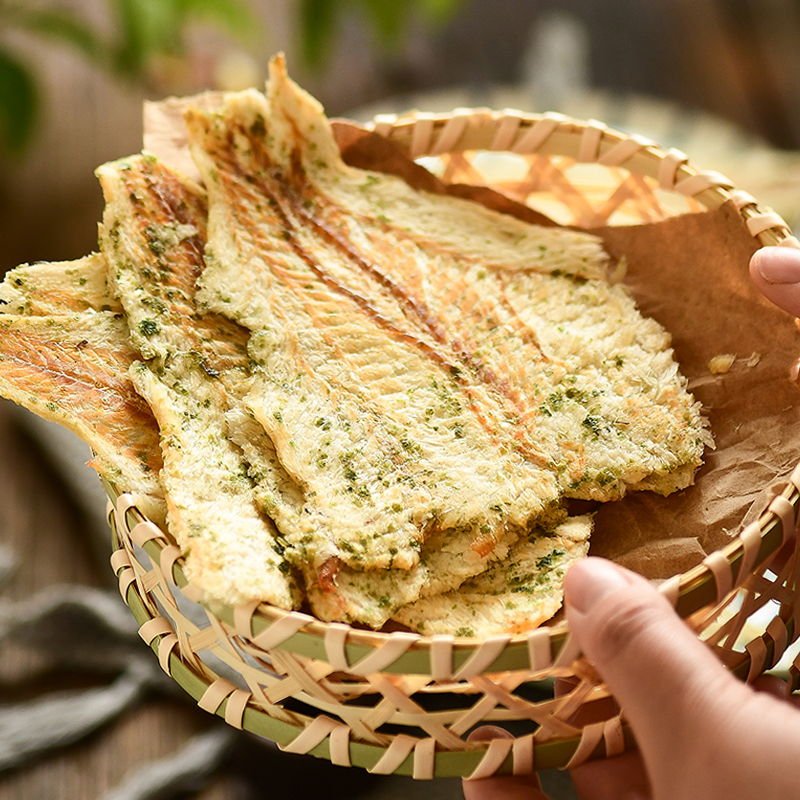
{"points": [[61, 287], [72, 369], [153, 237]]}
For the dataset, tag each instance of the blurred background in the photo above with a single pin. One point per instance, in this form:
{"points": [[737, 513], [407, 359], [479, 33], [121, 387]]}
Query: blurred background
{"points": [[718, 78]]}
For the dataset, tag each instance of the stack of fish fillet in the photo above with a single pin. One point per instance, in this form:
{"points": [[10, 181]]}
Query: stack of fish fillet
{"points": [[338, 392]]}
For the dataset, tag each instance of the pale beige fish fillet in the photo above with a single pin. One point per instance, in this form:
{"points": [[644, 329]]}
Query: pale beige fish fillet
{"points": [[633, 417], [231, 551], [72, 369], [512, 596], [377, 487], [447, 559], [390, 327], [628, 420], [371, 422], [153, 237], [339, 592], [61, 287]]}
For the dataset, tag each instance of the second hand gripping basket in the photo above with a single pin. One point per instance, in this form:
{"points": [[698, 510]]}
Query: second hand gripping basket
{"points": [[404, 703]]}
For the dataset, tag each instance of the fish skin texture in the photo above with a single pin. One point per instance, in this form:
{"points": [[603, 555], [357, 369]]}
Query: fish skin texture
{"points": [[72, 369], [153, 237]]}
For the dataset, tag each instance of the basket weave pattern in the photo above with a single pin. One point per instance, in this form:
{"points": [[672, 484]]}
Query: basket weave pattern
{"points": [[405, 703]]}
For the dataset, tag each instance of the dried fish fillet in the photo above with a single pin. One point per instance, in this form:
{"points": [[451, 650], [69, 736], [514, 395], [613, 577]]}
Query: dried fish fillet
{"points": [[338, 592], [366, 414], [404, 384], [231, 550], [60, 287], [448, 559], [514, 595], [72, 369], [153, 237]]}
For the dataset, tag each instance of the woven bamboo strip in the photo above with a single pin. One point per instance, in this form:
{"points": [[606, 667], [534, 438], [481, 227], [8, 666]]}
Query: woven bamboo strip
{"points": [[551, 725]]}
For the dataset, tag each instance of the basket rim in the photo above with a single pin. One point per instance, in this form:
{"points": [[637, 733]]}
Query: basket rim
{"points": [[587, 141], [423, 134], [691, 591], [417, 760]]}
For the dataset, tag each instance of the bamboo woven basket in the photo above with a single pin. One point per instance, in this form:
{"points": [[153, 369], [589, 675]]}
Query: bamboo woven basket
{"points": [[403, 703]]}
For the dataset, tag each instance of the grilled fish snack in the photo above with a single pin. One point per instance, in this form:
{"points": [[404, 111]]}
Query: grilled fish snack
{"points": [[65, 355], [369, 398], [153, 236]]}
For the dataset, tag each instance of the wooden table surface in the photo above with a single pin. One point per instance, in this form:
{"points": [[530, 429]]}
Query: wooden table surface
{"points": [[43, 529]]}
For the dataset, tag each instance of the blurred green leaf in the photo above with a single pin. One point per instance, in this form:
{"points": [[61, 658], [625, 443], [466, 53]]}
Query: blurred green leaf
{"points": [[236, 16], [389, 20], [18, 103], [157, 27], [317, 28], [440, 11], [142, 30], [144, 27], [57, 24]]}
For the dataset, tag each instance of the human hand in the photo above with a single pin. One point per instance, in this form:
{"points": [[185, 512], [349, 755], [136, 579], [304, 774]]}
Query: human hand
{"points": [[776, 273], [701, 732]]}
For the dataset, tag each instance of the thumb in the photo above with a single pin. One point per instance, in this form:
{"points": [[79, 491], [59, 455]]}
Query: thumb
{"points": [[776, 273], [668, 683]]}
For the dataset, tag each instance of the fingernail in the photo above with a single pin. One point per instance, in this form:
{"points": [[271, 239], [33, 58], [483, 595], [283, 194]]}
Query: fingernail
{"points": [[778, 264], [588, 581]]}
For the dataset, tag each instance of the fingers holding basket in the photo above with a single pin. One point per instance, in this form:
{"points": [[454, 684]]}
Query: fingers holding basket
{"points": [[776, 273], [667, 682], [701, 732], [605, 778]]}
